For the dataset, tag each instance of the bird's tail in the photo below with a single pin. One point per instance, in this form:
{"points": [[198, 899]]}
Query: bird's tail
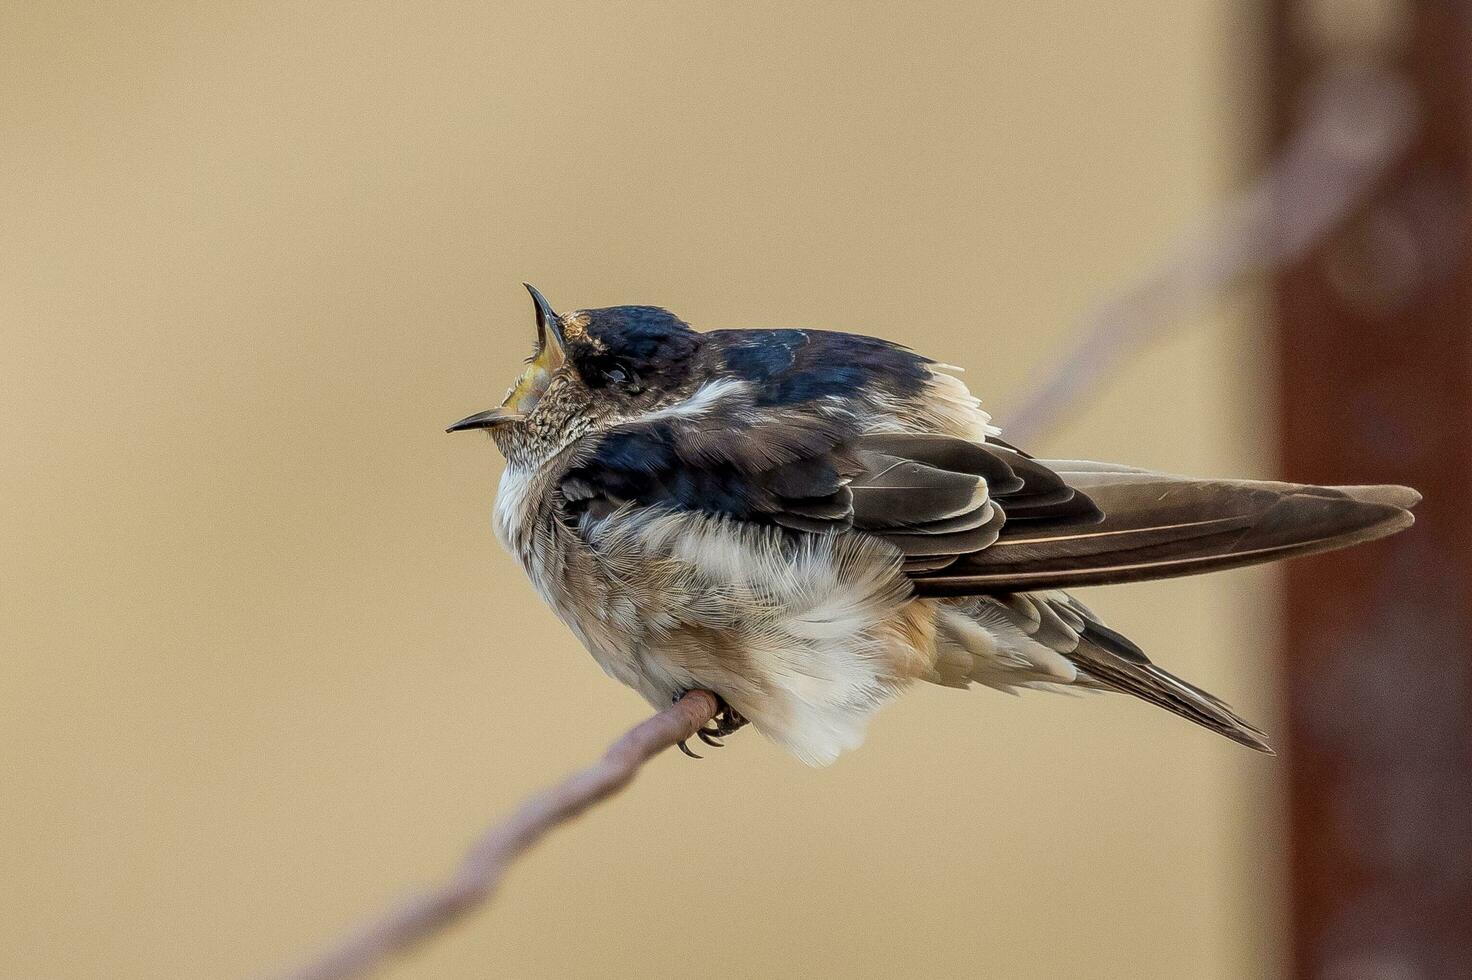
{"points": [[1108, 661], [1052, 641]]}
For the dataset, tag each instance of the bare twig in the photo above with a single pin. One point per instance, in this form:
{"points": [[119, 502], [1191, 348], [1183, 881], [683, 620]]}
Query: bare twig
{"points": [[1355, 127], [479, 874]]}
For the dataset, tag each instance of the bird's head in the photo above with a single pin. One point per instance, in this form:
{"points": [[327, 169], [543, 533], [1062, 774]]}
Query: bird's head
{"points": [[590, 369]]}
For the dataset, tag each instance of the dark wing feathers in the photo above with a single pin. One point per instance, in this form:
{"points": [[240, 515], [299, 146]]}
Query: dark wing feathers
{"points": [[1156, 525], [999, 483], [895, 492], [931, 543], [783, 467], [1044, 495], [935, 498], [948, 453], [968, 518]]}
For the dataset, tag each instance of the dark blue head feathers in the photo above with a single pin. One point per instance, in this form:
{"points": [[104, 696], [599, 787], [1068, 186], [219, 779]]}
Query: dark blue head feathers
{"points": [[643, 342]]}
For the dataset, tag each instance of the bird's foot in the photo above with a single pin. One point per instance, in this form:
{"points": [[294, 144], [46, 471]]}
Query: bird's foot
{"points": [[727, 720]]}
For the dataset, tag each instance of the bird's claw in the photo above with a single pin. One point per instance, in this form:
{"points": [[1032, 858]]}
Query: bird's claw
{"points": [[726, 721]]}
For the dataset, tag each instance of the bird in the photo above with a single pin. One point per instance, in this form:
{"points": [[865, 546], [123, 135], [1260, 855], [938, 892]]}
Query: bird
{"points": [[807, 522]]}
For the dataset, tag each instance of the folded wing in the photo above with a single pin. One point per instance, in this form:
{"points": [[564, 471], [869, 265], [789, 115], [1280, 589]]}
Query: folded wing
{"points": [[968, 518], [1156, 525]]}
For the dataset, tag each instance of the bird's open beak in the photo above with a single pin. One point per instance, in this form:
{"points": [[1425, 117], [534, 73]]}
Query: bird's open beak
{"points": [[548, 322], [534, 380], [488, 419]]}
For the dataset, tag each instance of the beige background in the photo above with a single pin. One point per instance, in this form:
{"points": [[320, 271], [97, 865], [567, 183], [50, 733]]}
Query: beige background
{"points": [[264, 665]]}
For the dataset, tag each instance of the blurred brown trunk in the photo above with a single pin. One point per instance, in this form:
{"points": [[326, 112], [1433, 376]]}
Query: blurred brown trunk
{"points": [[1375, 338]]}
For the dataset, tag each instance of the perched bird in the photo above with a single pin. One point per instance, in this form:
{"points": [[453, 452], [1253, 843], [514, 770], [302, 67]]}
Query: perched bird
{"points": [[804, 522]]}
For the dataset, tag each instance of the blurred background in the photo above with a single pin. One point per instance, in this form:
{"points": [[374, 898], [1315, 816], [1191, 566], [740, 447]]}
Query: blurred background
{"points": [[265, 667]]}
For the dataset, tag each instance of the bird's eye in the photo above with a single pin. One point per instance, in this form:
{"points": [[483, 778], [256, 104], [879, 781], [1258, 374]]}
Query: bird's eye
{"points": [[620, 374]]}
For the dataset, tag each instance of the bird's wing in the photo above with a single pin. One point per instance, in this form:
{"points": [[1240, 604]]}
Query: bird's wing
{"points": [[770, 465], [992, 492], [1156, 525], [811, 468], [968, 518]]}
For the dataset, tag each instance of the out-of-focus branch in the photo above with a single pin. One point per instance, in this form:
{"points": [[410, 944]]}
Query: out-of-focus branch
{"points": [[1357, 124], [475, 881]]}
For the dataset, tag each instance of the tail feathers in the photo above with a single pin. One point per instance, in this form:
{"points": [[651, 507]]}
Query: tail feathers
{"points": [[1108, 661], [1158, 526], [1051, 641]]}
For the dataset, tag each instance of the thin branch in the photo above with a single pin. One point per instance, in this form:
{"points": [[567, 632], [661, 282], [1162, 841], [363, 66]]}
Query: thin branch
{"points": [[1357, 124], [479, 875]]}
